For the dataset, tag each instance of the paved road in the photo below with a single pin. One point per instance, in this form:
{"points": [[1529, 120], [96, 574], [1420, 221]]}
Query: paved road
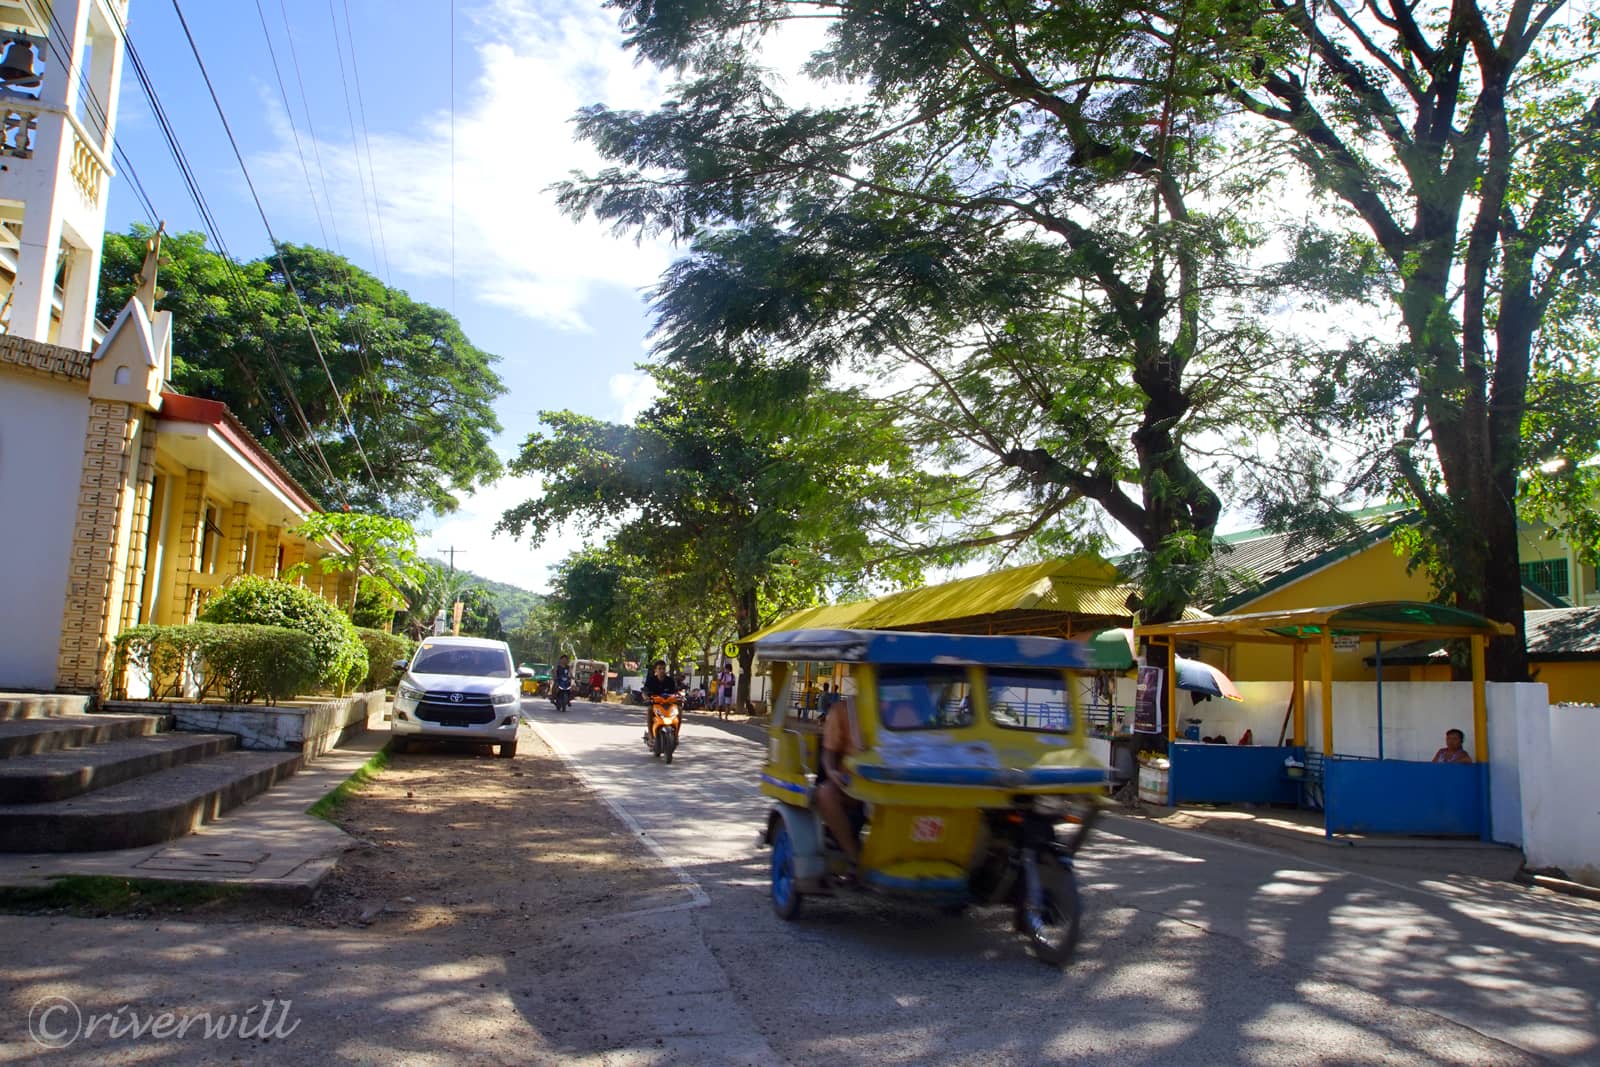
{"points": [[1196, 950]]}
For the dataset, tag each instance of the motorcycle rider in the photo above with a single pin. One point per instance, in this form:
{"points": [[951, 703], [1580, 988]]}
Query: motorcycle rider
{"points": [[560, 680], [659, 683], [597, 684]]}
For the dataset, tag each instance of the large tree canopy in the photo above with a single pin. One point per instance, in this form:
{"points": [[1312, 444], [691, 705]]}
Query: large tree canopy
{"points": [[1026, 227], [1061, 216], [416, 391], [1460, 142]]}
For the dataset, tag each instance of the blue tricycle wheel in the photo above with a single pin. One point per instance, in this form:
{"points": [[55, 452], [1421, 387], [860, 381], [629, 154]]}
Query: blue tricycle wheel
{"points": [[785, 897]]}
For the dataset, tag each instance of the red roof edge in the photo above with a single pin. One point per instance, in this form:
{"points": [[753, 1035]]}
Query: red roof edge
{"points": [[175, 407]]}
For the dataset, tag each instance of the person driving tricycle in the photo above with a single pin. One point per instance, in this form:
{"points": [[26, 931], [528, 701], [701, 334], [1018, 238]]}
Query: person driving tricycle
{"points": [[836, 806]]}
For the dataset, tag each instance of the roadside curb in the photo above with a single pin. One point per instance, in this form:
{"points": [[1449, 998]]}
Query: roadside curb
{"points": [[1557, 885]]}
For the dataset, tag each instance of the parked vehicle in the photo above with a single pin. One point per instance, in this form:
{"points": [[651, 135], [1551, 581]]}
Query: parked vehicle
{"points": [[969, 765], [536, 683], [460, 689], [665, 723], [583, 674]]}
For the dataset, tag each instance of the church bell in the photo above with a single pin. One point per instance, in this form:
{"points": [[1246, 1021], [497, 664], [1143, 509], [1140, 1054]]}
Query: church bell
{"points": [[16, 68]]}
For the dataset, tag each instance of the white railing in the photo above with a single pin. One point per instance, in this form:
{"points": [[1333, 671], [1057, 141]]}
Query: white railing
{"points": [[17, 129], [87, 172]]}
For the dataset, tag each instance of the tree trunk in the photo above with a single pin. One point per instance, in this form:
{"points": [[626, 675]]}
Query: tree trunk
{"points": [[744, 617]]}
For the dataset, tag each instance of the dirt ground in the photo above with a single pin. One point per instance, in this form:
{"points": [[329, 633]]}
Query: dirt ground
{"points": [[452, 840]]}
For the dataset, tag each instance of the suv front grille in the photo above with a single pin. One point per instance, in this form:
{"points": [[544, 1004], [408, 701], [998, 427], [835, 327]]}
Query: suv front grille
{"points": [[473, 709]]}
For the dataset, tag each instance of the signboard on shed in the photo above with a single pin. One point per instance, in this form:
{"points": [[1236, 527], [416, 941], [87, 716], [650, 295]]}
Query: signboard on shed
{"points": [[1147, 701]]}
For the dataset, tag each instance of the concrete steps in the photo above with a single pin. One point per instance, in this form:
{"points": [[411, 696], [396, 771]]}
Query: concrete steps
{"points": [[146, 810], [37, 705], [75, 782], [28, 737], [70, 772]]}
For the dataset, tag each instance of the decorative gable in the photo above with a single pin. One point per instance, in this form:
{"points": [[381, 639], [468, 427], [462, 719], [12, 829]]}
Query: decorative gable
{"points": [[131, 362]]}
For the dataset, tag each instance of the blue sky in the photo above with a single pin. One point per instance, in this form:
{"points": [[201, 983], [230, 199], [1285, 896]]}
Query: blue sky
{"points": [[559, 301]]}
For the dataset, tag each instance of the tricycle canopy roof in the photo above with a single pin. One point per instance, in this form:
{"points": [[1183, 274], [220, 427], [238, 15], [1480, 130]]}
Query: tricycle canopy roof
{"points": [[898, 646]]}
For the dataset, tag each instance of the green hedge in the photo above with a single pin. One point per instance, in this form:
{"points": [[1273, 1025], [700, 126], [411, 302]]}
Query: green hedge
{"points": [[383, 649], [239, 662], [269, 602]]}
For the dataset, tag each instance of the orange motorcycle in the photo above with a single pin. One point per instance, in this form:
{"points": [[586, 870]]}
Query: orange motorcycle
{"points": [[665, 724]]}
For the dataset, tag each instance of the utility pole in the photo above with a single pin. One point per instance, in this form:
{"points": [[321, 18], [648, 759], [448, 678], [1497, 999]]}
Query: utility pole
{"points": [[453, 550]]}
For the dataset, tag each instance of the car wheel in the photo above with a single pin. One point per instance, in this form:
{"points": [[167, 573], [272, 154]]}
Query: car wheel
{"points": [[508, 749], [398, 744]]}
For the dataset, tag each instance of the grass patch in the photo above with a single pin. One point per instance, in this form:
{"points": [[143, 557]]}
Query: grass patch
{"points": [[98, 894], [330, 804]]}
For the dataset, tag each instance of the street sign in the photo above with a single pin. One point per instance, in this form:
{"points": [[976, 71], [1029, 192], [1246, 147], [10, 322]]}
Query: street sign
{"points": [[1346, 643]]}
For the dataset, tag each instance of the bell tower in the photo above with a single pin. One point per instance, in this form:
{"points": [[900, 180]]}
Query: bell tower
{"points": [[60, 67]]}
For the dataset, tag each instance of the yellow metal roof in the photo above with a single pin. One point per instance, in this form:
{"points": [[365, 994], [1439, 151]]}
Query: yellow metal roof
{"points": [[1081, 585]]}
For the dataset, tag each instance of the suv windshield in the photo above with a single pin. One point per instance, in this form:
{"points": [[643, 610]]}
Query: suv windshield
{"points": [[476, 662], [924, 698], [1029, 700]]}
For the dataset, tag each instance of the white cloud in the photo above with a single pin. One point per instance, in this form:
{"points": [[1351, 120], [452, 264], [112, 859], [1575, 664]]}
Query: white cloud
{"points": [[513, 138], [633, 392]]}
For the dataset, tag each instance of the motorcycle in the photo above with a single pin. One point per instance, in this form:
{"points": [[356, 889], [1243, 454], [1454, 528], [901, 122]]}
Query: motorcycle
{"points": [[665, 724], [561, 697]]}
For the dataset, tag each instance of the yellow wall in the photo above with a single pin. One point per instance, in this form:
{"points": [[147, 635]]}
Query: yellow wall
{"points": [[1375, 573], [1378, 574], [1570, 683]]}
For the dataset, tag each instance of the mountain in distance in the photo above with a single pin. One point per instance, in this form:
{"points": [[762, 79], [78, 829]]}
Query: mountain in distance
{"points": [[511, 601]]}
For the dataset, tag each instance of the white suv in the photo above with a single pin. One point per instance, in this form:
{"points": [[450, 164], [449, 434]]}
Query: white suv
{"points": [[462, 688]]}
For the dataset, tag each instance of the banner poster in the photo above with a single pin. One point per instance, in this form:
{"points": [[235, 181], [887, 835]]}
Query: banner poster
{"points": [[1147, 701]]}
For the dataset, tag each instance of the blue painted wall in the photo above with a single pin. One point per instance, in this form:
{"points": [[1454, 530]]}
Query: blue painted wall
{"points": [[1399, 797], [1231, 774]]}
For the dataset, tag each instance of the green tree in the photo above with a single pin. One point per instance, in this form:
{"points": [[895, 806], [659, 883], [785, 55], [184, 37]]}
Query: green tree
{"points": [[1031, 234], [381, 551], [418, 393], [1457, 151], [718, 510]]}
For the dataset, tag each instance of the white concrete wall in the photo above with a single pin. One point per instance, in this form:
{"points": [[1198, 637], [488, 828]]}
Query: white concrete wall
{"points": [[42, 425], [1560, 790]]}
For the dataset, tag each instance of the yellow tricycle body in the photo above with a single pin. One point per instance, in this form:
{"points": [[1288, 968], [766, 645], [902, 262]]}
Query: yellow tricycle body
{"points": [[968, 762]]}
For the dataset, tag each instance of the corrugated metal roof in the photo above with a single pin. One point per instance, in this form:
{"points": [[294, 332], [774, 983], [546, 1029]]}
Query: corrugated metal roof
{"points": [[1250, 563], [1563, 631], [1552, 634]]}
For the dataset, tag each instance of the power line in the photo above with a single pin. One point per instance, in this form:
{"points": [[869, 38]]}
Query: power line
{"points": [[361, 103], [294, 129], [452, 157], [358, 330], [277, 248], [208, 220], [355, 143]]}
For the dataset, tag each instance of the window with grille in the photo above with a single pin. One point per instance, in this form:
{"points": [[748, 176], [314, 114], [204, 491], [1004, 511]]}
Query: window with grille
{"points": [[1548, 574]]}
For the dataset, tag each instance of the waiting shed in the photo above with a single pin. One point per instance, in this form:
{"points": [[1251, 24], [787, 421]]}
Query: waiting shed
{"points": [[1356, 794]]}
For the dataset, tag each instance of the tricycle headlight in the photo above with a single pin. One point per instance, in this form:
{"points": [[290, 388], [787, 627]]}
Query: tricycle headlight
{"points": [[505, 698], [407, 693]]}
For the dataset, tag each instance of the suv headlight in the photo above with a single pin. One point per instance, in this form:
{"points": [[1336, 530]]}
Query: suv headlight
{"points": [[406, 692], [505, 698]]}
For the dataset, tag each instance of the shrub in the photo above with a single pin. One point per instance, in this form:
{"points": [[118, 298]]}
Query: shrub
{"points": [[268, 602], [239, 662], [383, 649], [164, 653], [245, 661]]}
